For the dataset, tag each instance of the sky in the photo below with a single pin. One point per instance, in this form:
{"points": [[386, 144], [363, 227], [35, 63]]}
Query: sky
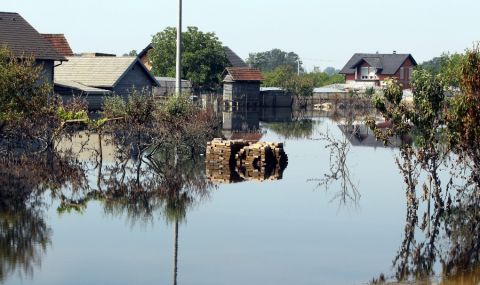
{"points": [[323, 33]]}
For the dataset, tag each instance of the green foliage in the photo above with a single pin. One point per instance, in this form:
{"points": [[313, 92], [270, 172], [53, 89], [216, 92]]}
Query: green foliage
{"points": [[139, 108], [65, 115], [21, 90], [463, 120], [178, 106], [447, 67], [285, 76], [270, 60], [203, 56]]}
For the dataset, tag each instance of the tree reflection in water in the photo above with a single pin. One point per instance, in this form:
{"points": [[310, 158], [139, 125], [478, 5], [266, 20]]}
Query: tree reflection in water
{"points": [[24, 234]]}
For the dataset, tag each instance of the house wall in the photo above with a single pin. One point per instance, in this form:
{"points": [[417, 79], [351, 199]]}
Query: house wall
{"points": [[135, 79], [275, 99], [47, 72], [94, 101], [242, 93]]}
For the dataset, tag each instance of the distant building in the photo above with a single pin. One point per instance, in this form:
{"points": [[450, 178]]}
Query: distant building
{"points": [[233, 59], [241, 86], [167, 86], [23, 40], [95, 76], [372, 69]]}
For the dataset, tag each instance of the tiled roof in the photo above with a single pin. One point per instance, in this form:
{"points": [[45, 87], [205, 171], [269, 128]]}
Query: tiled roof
{"points": [[100, 72], [233, 58], [23, 40], [388, 64], [242, 74], [60, 43]]}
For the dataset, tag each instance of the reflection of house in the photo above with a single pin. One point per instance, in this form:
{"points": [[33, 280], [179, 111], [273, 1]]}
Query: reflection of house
{"points": [[23, 40], [241, 86], [361, 135], [373, 69], [94, 76]]}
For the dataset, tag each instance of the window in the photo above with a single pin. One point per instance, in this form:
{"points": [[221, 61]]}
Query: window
{"points": [[364, 73], [402, 73], [410, 73]]}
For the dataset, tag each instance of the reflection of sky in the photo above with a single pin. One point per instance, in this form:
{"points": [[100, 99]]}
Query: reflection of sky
{"points": [[282, 232]]}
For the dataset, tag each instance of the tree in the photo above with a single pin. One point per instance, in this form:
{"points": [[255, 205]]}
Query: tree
{"points": [[21, 94], [131, 53], [270, 60], [331, 70], [203, 56]]}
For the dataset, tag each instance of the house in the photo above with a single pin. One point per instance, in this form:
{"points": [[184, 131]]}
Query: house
{"points": [[233, 59], [23, 40], [97, 75], [365, 69], [167, 86], [273, 97], [241, 86]]}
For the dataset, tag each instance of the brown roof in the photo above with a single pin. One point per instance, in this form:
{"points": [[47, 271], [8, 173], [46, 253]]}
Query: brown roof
{"points": [[23, 40], [60, 43], [242, 74]]}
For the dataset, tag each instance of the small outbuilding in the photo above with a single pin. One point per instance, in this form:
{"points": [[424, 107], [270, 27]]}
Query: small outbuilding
{"points": [[241, 86], [95, 76]]}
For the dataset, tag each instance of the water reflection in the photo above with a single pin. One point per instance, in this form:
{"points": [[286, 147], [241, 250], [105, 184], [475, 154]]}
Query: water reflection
{"points": [[24, 234]]}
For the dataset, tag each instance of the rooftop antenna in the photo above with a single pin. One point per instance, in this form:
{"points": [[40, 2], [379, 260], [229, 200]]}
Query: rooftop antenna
{"points": [[178, 84]]}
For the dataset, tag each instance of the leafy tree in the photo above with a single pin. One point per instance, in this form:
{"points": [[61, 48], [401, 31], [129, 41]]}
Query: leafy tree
{"points": [[131, 53], [203, 56], [331, 71], [447, 67], [270, 60], [21, 92]]}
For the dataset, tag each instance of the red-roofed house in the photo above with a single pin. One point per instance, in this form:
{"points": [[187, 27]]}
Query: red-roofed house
{"points": [[241, 86], [60, 43]]}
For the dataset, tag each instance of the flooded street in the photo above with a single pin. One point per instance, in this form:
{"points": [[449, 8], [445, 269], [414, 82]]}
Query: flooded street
{"points": [[311, 226]]}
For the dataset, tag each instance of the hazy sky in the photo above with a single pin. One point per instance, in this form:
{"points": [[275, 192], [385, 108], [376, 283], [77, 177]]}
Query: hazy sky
{"points": [[323, 33]]}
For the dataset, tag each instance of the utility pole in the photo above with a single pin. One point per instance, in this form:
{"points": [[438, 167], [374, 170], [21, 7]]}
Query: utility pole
{"points": [[299, 63], [178, 85]]}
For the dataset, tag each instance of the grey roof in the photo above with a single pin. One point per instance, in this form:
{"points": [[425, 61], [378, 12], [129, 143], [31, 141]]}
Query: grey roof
{"points": [[233, 58], [81, 87], [101, 72], [171, 81], [388, 64], [23, 40]]}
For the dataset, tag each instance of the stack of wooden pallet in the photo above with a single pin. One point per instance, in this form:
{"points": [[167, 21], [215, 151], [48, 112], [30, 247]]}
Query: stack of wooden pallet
{"points": [[220, 156], [261, 161]]}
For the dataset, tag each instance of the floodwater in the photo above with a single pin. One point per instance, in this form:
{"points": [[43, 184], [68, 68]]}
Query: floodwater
{"points": [[312, 225]]}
